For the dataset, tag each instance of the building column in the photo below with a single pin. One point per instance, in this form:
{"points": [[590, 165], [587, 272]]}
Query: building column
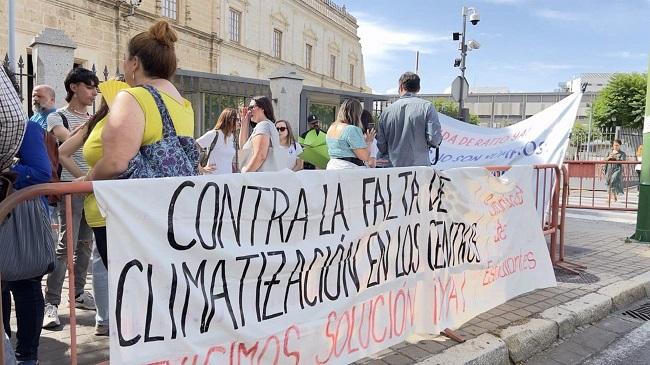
{"points": [[286, 88], [53, 58]]}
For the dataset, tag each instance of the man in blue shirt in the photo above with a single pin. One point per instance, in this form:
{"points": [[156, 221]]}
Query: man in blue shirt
{"points": [[43, 99], [33, 166], [409, 127]]}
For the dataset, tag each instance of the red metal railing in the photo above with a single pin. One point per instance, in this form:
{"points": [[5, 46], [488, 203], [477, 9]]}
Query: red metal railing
{"points": [[587, 188], [548, 180], [65, 189]]}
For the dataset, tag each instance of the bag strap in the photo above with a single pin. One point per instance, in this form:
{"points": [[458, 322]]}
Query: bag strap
{"points": [[167, 124], [65, 120], [214, 142]]}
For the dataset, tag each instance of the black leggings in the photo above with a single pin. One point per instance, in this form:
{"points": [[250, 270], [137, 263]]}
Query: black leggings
{"points": [[100, 241]]}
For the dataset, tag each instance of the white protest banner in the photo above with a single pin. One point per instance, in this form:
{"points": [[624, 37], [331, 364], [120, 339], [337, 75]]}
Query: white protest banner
{"points": [[540, 139], [316, 267]]}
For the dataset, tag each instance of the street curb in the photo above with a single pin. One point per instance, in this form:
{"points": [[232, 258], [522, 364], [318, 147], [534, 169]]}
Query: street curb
{"points": [[624, 293], [485, 349], [523, 340], [526, 339], [589, 308], [565, 319]]}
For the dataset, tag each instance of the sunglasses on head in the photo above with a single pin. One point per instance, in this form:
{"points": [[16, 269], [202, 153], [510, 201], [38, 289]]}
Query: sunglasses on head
{"points": [[281, 129]]}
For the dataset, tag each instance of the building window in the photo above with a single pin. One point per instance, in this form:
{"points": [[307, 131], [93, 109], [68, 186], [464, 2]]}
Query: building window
{"points": [[308, 56], [351, 74], [332, 66], [235, 25], [277, 43], [170, 9]]}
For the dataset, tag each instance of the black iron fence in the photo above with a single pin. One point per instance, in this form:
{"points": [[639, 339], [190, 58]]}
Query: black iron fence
{"points": [[25, 76]]}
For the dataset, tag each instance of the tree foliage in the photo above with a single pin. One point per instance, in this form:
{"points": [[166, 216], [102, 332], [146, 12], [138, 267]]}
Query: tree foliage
{"points": [[580, 134], [450, 108], [621, 102]]}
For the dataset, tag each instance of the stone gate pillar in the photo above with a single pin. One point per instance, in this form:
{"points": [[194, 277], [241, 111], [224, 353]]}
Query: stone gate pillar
{"points": [[53, 58], [286, 87]]}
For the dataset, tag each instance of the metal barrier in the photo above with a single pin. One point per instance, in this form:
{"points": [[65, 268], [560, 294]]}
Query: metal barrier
{"points": [[548, 180], [561, 261], [65, 189], [587, 189], [547, 194]]}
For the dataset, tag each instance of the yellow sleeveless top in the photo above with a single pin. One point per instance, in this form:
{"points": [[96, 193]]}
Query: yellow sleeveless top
{"points": [[182, 116]]}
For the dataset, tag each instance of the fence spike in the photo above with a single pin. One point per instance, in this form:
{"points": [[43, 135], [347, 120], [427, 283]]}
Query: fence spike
{"points": [[94, 69], [21, 63], [105, 73]]}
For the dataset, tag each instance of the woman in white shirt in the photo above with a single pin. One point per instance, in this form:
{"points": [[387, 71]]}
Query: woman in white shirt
{"points": [[219, 143], [288, 141]]}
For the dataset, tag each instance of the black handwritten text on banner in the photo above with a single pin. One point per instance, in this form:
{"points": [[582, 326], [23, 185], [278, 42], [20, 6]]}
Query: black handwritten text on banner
{"points": [[247, 267]]}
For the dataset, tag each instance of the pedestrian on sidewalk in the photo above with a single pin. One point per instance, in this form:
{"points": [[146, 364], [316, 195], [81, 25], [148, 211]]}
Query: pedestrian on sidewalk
{"points": [[139, 114], [81, 87], [88, 136], [12, 118], [368, 124], [288, 141], [219, 144], [348, 146], [409, 127], [43, 99], [314, 135], [261, 150], [27, 294], [33, 168], [614, 171]]}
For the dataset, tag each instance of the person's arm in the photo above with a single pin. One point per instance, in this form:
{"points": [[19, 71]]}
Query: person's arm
{"points": [[299, 163], [261, 144], [55, 125], [33, 166], [121, 137], [434, 131], [360, 144], [244, 128], [69, 147]]}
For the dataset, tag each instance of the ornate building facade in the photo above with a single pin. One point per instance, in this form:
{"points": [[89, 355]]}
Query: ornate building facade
{"points": [[246, 38]]}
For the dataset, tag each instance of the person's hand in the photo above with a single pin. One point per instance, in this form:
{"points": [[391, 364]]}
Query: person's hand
{"points": [[245, 115], [370, 135], [207, 168]]}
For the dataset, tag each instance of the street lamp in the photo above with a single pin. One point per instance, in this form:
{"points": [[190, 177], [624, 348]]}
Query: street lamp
{"points": [[474, 18]]}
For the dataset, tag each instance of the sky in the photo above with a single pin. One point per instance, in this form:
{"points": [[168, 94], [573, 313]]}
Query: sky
{"points": [[526, 45]]}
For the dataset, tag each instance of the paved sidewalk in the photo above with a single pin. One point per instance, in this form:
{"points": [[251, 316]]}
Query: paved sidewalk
{"points": [[587, 341], [601, 246]]}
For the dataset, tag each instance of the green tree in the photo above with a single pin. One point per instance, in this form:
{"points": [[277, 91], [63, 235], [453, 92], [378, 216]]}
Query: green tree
{"points": [[580, 134], [621, 102], [450, 108]]}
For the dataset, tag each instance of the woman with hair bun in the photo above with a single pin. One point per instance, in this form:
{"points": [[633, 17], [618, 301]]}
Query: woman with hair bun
{"points": [[138, 113]]}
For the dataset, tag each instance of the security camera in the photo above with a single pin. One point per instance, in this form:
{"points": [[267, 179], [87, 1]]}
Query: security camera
{"points": [[135, 2], [474, 18], [473, 45]]}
